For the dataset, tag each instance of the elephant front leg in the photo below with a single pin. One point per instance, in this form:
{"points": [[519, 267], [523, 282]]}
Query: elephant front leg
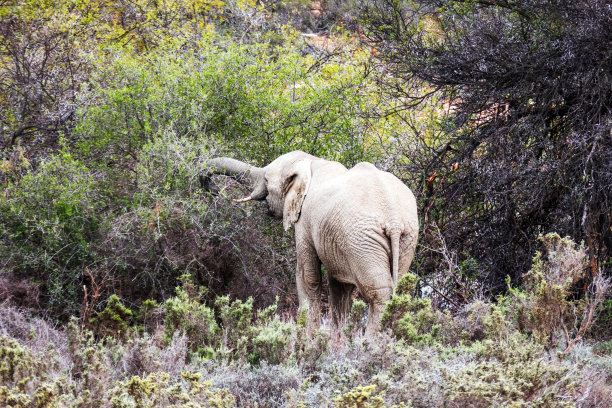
{"points": [[309, 284]]}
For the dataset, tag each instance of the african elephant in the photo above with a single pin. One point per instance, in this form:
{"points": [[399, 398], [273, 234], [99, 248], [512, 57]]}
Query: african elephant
{"points": [[361, 224]]}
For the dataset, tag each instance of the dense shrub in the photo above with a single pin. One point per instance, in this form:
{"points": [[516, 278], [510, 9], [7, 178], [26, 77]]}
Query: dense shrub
{"points": [[167, 227], [43, 67], [185, 314], [272, 338], [20, 374], [65, 227], [548, 307], [355, 324], [523, 147], [409, 318], [48, 228], [602, 328], [360, 397], [159, 390], [113, 320]]}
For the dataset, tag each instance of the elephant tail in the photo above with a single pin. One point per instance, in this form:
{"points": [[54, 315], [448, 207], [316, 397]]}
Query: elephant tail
{"points": [[394, 235]]}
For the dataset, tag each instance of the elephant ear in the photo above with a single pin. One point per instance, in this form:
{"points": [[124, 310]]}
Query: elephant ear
{"points": [[296, 184]]}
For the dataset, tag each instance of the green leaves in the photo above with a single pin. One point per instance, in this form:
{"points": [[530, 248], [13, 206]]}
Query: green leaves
{"points": [[48, 220], [257, 100]]}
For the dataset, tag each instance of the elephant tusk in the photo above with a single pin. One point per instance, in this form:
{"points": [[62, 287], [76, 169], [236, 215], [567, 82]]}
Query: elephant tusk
{"points": [[243, 200]]}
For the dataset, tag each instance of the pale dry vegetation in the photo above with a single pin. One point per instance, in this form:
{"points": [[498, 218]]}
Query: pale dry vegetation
{"points": [[489, 354]]}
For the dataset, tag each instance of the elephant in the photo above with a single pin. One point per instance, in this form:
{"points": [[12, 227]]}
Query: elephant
{"points": [[361, 224]]}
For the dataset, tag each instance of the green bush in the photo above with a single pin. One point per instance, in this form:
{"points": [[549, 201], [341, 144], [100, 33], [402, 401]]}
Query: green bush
{"points": [[271, 341], [17, 366], [547, 308], [114, 320], [48, 228], [17, 369], [91, 364], [508, 373], [356, 322], [158, 230], [159, 390], [243, 335], [29, 379], [148, 312], [186, 314], [236, 319], [167, 226], [256, 100], [360, 397], [409, 318]]}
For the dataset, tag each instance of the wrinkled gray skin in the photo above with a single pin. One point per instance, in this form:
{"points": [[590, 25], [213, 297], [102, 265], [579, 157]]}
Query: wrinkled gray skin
{"points": [[360, 223]]}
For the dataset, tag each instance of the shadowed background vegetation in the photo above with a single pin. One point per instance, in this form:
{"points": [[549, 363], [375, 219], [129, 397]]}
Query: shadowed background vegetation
{"points": [[496, 114]]}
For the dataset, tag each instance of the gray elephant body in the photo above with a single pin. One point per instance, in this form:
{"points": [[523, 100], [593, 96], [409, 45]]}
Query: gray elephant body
{"points": [[361, 224]]}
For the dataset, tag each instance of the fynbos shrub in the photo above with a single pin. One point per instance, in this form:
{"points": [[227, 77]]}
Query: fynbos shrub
{"points": [[185, 313], [410, 318], [355, 324], [360, 397], [548, 307], [114, 320]]}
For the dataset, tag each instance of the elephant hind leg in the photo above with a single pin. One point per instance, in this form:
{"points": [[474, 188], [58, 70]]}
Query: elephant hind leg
{"points": [[340, 299], [406, 258], [376, 306]]}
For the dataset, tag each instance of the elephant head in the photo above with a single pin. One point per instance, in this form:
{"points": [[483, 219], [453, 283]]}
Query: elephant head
{"points": [[283, 183]]}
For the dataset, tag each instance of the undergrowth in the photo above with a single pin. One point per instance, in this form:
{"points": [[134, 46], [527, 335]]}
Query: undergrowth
{"points": [[228, 353]]}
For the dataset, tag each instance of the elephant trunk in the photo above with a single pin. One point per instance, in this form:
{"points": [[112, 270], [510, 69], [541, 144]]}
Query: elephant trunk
{"points": [[244, 173]]}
